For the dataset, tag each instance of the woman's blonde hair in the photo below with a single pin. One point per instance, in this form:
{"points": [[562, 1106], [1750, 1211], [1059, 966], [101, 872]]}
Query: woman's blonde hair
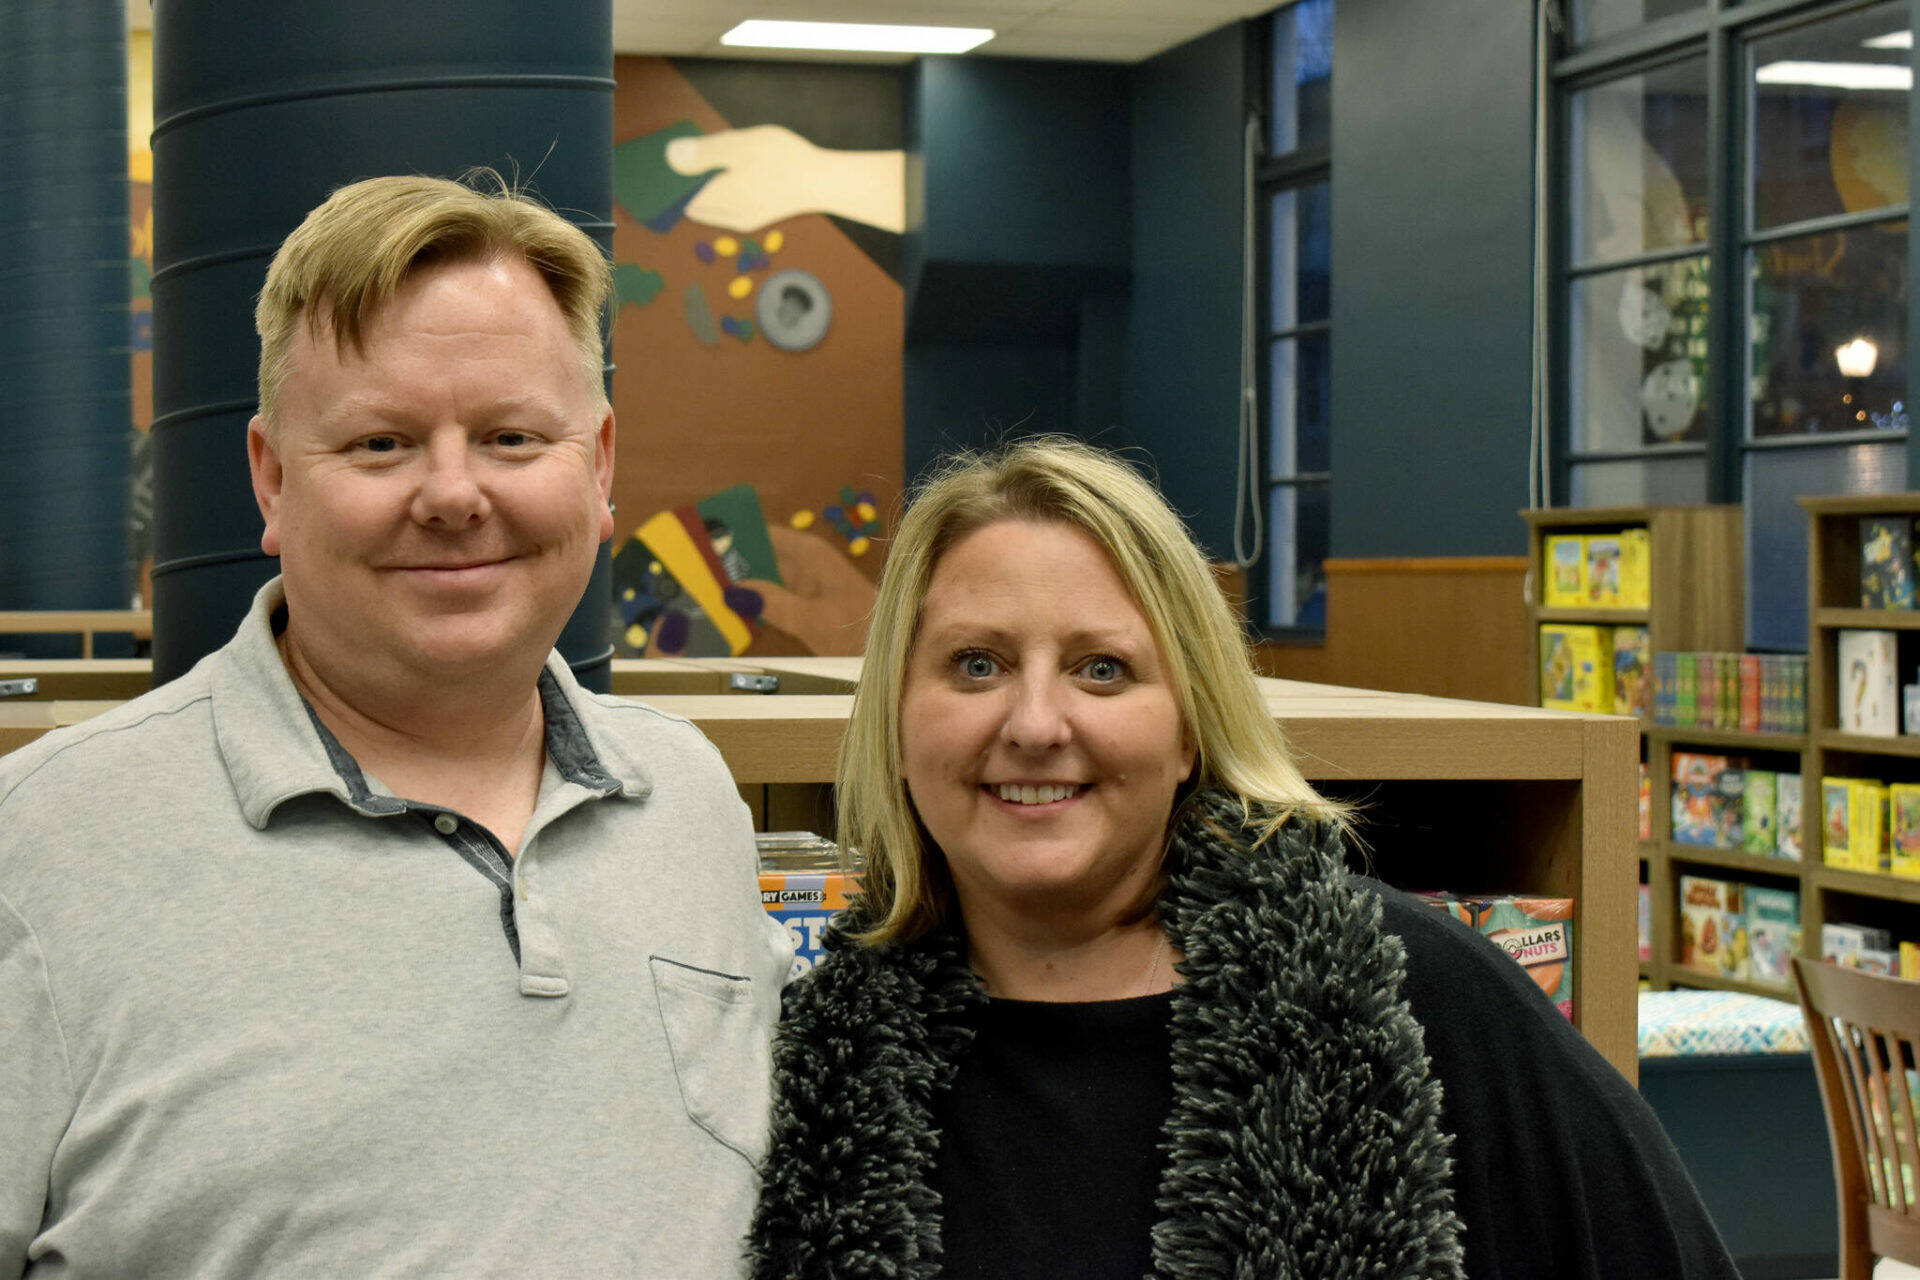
{"points": [[1052, 480], [352, 253]]}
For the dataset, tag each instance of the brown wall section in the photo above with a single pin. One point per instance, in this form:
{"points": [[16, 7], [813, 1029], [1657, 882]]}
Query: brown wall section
{"points": [[1450, 626]]}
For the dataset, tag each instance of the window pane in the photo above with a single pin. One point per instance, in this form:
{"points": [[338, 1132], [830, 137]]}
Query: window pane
{"points": [[1639, 165], [1829, 110], [1299, 255], [1811, 296], [1297, 531], [1298, 96], [1299, 377], [1639, 354], [1593, 19]]}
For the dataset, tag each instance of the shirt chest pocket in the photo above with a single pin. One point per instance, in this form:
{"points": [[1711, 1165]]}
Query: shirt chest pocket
{"points": [[721, 1051]]}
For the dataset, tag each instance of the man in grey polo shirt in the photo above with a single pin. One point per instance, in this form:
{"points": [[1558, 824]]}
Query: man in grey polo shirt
{"points": [[374, 945]]}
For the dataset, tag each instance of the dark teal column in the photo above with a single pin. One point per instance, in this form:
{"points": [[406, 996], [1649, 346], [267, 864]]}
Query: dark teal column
{"points": [[65, 403], [259, 112]]}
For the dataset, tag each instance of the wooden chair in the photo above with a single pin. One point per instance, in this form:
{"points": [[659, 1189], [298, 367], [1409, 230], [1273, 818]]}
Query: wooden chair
{"points": [[1862, 1029]]}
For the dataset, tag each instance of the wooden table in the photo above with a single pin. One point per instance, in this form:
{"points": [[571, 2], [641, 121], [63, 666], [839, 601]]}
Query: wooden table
{"points": [[1474, 797], [82, 622]]}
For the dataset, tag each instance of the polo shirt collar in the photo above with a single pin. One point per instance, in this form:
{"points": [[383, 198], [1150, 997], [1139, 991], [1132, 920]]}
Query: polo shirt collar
{"points": [[275, 748]]}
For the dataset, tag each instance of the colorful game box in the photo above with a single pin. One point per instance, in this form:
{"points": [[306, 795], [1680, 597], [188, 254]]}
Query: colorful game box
{"points": [[1786, 828], [1903, 836], [1566, 569], [1646, 923], [1709, 800], [1854, 823], [1843, 943], [803, 886], [1576, 668], [1603, 570], [1536, 932], [1773, 934], [1759, 812], [1635, 572], [1713, 931], [1886, 563], [1646, 802], [1869, 683], [1632, 656]]}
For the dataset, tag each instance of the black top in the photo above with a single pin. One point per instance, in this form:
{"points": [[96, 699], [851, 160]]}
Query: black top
{"points": [[1560, 1167], [1049, 1161], [1050, 1140]]}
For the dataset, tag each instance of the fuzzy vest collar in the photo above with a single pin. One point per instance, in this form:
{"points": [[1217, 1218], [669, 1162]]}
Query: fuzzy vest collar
{"points": [[1304, 1142]]}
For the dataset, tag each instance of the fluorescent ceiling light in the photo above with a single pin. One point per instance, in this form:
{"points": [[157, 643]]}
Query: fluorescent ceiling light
{"points": [[1837, 75], [855, 37], [1892, 40]]}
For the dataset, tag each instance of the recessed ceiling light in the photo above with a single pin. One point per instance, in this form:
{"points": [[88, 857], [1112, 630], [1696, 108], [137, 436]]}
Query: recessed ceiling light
{"points": [[1892, 40], [855, 37], [1837, 75]]}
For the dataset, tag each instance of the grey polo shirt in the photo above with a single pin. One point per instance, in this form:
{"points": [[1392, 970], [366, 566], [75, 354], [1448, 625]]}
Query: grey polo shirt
{"points": [[258, 1017]]}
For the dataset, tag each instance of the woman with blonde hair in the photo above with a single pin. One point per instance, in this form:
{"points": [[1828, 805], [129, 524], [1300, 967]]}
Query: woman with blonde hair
{"points": [[1110, 1003]]}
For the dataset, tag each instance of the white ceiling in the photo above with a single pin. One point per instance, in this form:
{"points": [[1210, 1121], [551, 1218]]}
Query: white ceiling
{"points": [[1098, 30]]}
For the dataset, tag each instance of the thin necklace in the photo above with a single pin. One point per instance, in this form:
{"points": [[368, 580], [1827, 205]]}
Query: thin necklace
{"points": [[1153, 969]]}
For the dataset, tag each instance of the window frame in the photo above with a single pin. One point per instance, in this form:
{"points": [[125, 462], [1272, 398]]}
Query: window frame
{"points": [[1296, 170], [1724, 31]]}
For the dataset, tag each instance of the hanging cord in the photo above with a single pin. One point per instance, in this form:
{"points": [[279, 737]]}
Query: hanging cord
{"points": [[1246, 484], [1547, 20]]}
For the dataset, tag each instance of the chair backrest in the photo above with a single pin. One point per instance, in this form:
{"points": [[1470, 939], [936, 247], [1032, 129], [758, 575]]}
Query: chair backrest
{"points": [[1862, 1029]]}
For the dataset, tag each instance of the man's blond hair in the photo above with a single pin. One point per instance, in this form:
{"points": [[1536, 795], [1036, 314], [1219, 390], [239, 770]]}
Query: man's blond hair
{"points": [[1053, 480], [349, 257]]}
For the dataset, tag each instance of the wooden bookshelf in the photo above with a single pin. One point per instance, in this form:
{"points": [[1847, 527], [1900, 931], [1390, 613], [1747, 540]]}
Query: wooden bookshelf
{"points": [[1696, 600], [1826, 893], [1833, 587], [1551, 792], [1696, 579]]}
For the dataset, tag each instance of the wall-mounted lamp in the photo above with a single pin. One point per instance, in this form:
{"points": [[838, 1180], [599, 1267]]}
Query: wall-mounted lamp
{"points": [[1857, 358]]}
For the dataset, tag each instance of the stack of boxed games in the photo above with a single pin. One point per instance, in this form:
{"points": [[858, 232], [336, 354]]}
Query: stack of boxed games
{"points": [[1747, 932], [1853, 814], [1755, 692], [1725, 803], [803, 885], [1536, 932], [1597, 669], [1855, 946]]}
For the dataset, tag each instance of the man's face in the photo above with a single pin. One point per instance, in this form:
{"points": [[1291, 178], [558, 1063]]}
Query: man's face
{"points": [[436, 501]]}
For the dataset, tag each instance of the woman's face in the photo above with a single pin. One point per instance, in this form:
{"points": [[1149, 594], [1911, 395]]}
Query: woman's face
{"points": [[1040, 739]]}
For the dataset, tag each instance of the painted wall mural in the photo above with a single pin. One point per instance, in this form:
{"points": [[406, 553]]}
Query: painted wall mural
{"points": [[757, 340]]}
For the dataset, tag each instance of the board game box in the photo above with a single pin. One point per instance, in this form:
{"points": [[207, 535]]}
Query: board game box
{"points": [[1773, 934], [1760, 812], [1713, 932], [1536, 932], [1786, 828], [1566, 569], [1886, 563], [1709, 800], [1869, 683]]}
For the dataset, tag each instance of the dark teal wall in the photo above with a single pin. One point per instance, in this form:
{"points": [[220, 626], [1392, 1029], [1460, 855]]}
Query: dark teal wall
{"points": [[1182, 381], [1432, 232], [1020, 180]]}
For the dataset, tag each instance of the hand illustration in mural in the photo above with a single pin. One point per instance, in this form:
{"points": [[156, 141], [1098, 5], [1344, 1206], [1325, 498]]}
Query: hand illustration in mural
{"points": [[826, 602], [769, 172]]}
